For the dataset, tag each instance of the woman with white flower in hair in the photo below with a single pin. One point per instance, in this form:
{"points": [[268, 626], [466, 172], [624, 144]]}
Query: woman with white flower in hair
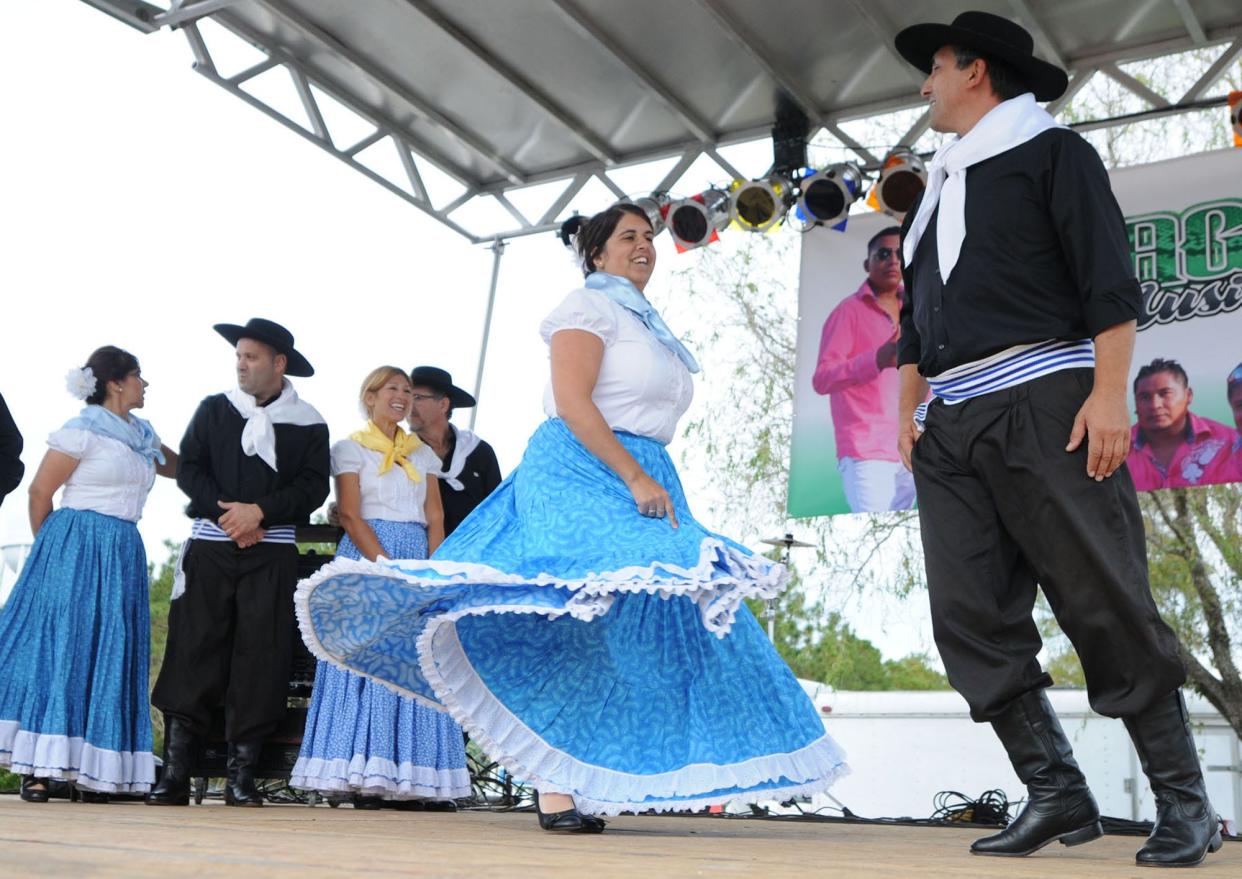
{"points": [[75, 633]]}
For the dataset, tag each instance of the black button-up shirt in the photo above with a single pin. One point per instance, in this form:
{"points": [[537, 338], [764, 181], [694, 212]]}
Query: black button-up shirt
{"points": [[1045, 257], [213, 467]]}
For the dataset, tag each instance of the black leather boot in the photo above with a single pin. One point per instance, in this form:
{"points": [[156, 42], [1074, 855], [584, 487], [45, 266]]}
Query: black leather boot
{"points": [[1186, 824], [174, 786], [240, 789], [1059, 806]]}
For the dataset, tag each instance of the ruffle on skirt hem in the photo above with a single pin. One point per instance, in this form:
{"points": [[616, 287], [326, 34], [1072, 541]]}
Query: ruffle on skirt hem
{"points": [[812, 769], [375, 776], [67, 758]]}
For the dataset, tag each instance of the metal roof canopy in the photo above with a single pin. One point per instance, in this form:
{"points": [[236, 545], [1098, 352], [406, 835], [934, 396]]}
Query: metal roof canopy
{"points": [[494, 97]]}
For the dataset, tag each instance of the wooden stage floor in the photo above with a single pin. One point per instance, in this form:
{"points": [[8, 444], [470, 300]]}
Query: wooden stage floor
{"points": [[133, 840]]}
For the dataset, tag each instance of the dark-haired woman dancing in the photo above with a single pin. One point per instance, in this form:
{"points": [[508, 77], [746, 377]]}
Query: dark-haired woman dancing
{"points": [[580, 624]]}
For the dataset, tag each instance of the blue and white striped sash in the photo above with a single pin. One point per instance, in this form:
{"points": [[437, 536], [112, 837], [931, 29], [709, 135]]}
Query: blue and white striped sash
{"points": [[1010, 367], [1005, 369], [205, 529]]}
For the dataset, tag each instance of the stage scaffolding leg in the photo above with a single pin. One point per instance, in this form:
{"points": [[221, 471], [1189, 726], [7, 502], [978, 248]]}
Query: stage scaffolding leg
{"points": [[498, 250]]}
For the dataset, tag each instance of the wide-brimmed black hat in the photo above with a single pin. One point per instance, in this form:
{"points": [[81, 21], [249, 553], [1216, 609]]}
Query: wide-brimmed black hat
{"points": [[269, 333], [987, 34], [440, 380]]}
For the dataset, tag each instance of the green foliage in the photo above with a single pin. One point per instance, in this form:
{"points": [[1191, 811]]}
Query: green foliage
{"points": [[161, 581], [820, 645]]}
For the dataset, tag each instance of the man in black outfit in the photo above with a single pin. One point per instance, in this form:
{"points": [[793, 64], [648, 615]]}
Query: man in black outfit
{"points": [[11, 467], [1020, 316], [254, 463], [469, 471]]}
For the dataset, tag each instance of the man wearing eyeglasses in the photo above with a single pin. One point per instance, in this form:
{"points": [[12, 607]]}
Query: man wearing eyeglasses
{"points": [[857, 369], [469, 471]]}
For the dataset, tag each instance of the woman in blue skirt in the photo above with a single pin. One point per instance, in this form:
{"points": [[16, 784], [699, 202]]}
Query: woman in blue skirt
{"points": [[75, 634], [580, 624], [361, 738]]}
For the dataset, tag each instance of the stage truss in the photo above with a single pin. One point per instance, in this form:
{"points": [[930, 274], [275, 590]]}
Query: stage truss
{"points": [[477, 98]]}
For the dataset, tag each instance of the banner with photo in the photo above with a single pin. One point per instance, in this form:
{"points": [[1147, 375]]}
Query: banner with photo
{"points": [[1184, 220]]}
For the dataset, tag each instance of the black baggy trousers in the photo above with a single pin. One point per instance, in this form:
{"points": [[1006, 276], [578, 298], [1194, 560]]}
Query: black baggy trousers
{"points": [[230, 639], [1004, 507]]}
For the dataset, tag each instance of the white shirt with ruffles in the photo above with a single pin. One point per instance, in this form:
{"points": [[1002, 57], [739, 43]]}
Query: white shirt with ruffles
{"points": [[111, 478], [642, 387], [394, 496]]}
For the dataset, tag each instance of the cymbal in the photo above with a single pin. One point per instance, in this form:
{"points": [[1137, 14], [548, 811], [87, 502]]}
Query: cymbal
{"points": [[787, 541]]}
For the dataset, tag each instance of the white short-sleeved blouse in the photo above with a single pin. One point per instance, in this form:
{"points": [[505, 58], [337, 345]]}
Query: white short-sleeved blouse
{"points": [[111, 478], [393, 496], [643, 388]]}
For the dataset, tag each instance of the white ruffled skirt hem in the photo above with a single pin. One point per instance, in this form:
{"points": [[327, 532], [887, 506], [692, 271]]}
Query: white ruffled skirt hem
{"points": [[376, 776], [810, 770], [69, 758]]}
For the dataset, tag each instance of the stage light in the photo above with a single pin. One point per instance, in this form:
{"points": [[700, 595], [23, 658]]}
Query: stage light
{"points": [[696, 221], [827, 194], [758, 205], [569, 230], [902, 177], [655, 206]]}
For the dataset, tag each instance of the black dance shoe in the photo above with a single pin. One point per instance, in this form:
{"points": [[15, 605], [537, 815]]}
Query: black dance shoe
{"points": [[439, 806], [30, 793], [81, 794], [568, 821]]}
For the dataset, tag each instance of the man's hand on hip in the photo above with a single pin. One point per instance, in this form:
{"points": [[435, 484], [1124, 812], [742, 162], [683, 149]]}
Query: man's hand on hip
{"points": [[908, 434], [1105, 422]]}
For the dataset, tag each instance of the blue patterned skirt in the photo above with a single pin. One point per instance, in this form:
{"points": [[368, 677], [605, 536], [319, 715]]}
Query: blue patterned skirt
{"points": [[587, 648], [74, 649], [364, 738]]}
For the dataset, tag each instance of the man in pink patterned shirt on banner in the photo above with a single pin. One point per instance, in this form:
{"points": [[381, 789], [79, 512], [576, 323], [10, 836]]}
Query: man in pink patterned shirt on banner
{"points": [[857, 368], [1171, 447]]}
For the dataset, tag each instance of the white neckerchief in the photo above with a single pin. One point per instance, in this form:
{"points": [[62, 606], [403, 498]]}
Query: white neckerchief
{"points": [[1007, 125], [467, 442], [259, 436]]}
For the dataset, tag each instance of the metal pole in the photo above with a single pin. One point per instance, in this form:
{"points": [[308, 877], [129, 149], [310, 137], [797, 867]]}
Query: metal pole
{"points": [[498, 250]]}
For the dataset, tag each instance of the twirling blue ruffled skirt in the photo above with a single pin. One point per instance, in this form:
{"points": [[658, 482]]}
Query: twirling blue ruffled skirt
{"points": [[587, 648], [74, 644], [364, 738]]}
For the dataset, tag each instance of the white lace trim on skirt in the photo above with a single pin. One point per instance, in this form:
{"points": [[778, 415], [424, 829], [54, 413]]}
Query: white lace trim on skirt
{"points": [[70, 758], [378, 776]]}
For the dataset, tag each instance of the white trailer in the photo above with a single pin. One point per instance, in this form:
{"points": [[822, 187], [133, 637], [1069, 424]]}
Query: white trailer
{"points": [[905, 747]]}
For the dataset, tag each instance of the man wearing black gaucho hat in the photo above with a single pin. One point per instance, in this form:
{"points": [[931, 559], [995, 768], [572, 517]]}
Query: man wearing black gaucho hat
{"points": [[255, 464], [1020, 317], [469, 471]]}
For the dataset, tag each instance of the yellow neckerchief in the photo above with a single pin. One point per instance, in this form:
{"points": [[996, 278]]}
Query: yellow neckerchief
{"points": [[396, 450]]}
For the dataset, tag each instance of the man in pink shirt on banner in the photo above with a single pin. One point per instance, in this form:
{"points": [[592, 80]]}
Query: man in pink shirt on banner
{"points": [[1233, 393], [1171, 447], [857, 368]]}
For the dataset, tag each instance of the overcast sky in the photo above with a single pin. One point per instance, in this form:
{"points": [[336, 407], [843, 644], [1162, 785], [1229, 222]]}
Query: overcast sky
{"points": [[142, 204]]}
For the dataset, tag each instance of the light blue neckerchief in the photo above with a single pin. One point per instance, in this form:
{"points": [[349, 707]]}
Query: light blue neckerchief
{"points": [[139, 435], [623, 292]]}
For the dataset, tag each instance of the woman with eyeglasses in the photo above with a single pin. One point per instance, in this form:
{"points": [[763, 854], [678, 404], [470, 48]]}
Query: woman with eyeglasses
{"points": [[363, 740], [585, 629], [75, 632]]}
